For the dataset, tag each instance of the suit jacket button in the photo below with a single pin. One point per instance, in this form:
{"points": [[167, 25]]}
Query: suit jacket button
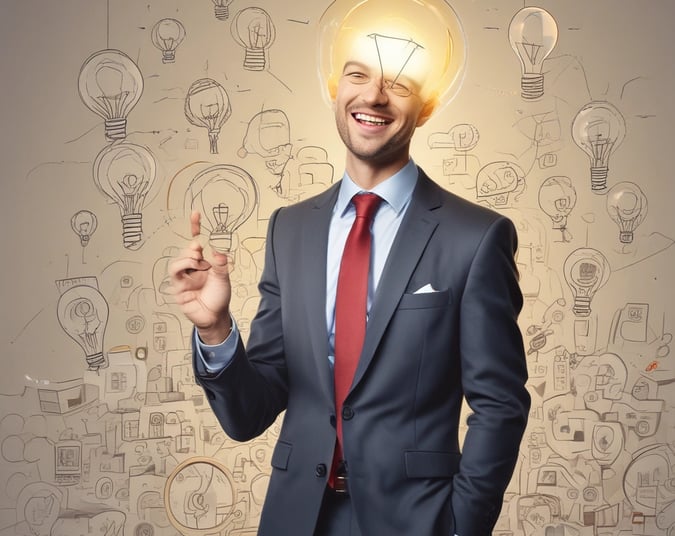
{"points": [[320, 470], [347, 413]]}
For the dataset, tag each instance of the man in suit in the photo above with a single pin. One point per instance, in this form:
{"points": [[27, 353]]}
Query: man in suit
{"points": [[441, 306]]}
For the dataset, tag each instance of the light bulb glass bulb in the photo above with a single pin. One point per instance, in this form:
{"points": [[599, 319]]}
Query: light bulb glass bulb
{"points": [[254, 30], [557, 198], [421, 40], [126, 174], [586, 270], [598, 129], [166, 35], [83, 314], [225, 196], [533, 34], [83, 224], [110, 85], [627, 206], [207, 105]]}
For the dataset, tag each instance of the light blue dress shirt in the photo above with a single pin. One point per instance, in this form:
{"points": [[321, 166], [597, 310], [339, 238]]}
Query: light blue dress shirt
{"points": [[396, 193]]}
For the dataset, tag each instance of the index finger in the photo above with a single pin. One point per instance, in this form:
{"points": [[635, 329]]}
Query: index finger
{"points": [[195, 223]]}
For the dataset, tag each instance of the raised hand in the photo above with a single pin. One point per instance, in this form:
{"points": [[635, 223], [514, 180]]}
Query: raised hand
{"points": [[202, 288]]}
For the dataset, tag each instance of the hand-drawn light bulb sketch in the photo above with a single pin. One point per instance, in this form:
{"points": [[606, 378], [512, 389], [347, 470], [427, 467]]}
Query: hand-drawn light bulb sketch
{"points": [[166, 35], [268, 136], [226, 196], [207, 105], [533, 34], [421, 41], [557, 198], [221, 9], [598, 129], [84, 223], [253, 29], [585, 270], [82, 312], [627, 206], [126, 174], [110, 85], [199, 497]]}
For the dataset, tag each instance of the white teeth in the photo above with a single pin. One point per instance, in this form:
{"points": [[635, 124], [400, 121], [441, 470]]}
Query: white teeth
{"points": [[365, 118]]}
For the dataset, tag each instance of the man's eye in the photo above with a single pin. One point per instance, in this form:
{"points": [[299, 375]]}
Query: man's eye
{"points": [[357, 78]]}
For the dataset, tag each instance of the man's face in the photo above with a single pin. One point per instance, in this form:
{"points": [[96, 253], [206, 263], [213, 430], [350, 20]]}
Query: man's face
{"points": [[376, 113]]}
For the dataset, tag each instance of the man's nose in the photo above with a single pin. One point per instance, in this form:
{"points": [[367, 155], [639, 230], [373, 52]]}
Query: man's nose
{"points": [[375, 91]]}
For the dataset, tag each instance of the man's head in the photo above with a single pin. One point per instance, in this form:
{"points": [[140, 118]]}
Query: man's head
{"points": [[419, 41]]}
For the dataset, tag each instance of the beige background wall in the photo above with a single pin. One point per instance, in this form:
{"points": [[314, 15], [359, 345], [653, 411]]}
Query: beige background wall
{"points": [[133, 448]]}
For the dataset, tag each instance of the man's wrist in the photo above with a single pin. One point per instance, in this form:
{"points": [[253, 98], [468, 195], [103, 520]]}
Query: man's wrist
{"points": [[216, 334]]}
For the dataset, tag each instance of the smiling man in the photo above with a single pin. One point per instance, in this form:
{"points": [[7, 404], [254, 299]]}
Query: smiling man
{"points": [[384, 302]]}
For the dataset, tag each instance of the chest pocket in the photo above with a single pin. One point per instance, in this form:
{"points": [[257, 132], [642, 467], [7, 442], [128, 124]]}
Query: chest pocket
{"points": [[426, 300]]}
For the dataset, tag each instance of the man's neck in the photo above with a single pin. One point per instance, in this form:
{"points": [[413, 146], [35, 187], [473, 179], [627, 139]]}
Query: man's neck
{"points": [[367, 174]]}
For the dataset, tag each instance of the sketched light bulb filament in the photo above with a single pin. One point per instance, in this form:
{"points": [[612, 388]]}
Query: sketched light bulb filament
{"points": [[253, 29], [166, 35], [586, 270], [533, 34], [627, 206], [207, 105], [110, 84], [83, 314], [126, 174], [598, 129], [221, 9]]}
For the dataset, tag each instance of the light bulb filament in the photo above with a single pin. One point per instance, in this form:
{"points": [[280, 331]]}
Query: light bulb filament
{"points": [[416, 46]]}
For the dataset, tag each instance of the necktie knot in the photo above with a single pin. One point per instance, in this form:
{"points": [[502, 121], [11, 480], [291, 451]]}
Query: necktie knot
{"points": [[366, 205]]}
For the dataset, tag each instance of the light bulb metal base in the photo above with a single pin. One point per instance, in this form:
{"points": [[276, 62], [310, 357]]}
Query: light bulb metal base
{"points": [[599, 179], [132, 229], [532, 86], [254, 59], [169, 56], [97, 361], [221, 242], [222, 12], [582, 306], [116, 129]]}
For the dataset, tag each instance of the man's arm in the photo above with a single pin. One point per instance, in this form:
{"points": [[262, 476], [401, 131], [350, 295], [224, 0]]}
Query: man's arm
{"points": [[494, 373]]}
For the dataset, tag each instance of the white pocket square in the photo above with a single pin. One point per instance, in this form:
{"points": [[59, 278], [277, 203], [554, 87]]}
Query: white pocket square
{"points": [[426, 289]]}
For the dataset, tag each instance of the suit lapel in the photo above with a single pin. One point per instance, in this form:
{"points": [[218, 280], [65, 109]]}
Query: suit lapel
{"points": [[313, 281], [416, 229]]}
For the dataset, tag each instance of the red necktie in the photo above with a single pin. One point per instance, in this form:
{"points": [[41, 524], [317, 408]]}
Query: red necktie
{"points": [[350, 306]]}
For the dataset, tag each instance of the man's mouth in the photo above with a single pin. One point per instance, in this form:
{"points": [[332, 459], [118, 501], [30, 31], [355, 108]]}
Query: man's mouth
{"points": [[372, 120]]}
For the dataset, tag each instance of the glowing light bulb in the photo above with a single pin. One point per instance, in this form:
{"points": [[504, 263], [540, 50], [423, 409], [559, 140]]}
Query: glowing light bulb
{"points": [[598, 129], [166, 35], [253, 29], [627, 206], [84, 223], [585, 270], [208, 105], [221, 9], [110, 85], [533, 34], [126, 174], [422, 40], [82, 312], [226, 197], [557, 198]]}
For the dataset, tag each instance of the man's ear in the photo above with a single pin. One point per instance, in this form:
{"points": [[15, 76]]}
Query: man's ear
{"points": [[427, 110]]}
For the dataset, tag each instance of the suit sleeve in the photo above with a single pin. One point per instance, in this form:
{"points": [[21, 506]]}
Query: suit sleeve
{"points": [[252, 390], [494, 373]]}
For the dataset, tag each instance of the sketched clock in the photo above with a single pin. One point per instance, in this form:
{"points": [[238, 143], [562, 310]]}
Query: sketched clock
{"points": [[199, 497]]}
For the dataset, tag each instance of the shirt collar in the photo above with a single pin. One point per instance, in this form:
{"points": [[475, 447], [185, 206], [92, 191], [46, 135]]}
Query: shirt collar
{"points": [[396, 190]]}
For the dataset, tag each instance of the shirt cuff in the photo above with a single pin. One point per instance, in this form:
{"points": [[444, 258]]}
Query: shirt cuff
{"points": [[216, 357]]}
